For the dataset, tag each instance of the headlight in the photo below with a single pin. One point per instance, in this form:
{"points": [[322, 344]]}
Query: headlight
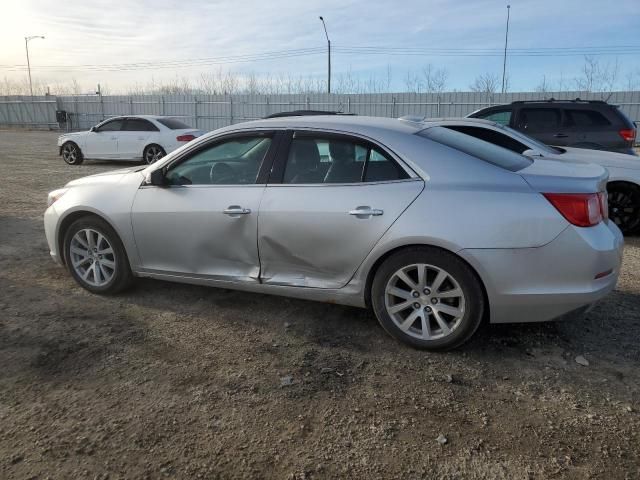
{"points": [[55, 195]]}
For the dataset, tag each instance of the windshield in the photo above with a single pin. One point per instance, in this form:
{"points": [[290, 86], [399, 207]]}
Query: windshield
{"points": [[475, 147], [532, 142]]}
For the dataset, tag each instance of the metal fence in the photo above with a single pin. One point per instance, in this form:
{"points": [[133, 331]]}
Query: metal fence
{"points": [[209, 112]]}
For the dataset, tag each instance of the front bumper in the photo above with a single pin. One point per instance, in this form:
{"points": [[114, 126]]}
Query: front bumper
{"points": [[50, 227], [551, 281]]}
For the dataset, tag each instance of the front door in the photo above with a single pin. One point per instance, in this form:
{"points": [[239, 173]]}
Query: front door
{"points": [[204, 223], [543, 123], [329, 201], [103, 141]]}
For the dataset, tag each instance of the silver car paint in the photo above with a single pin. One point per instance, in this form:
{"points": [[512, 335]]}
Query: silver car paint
{"points": [[491, 217]]}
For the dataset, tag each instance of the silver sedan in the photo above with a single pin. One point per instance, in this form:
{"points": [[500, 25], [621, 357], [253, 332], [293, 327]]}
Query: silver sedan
{"points": [[433, 229]]}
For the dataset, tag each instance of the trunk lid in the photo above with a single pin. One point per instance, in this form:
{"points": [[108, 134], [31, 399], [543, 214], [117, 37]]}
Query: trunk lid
{"points": [[552, 176]]}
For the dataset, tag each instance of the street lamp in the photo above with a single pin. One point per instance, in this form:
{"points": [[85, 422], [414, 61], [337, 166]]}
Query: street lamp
{"points": [[506, 38], [26, 45], [328, 57]]}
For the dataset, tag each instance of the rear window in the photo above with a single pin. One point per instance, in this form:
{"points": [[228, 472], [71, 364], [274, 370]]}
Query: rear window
{"points": [[498, 156], [173, 123]]}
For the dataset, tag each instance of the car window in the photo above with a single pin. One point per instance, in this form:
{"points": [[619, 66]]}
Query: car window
{"points": [[585, 118], [491, 136], [139, 125], [533, 142], [538, 119], [110, 126], [232, 162], [480, 149], [173, 123], [337, 160], [503, 117]]}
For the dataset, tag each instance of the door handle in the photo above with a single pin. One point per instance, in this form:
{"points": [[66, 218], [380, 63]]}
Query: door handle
{"points": [[366, 212], [236, 210], [561, 135]]}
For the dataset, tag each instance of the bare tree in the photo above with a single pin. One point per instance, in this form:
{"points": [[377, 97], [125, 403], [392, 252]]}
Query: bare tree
{"points": [[435, 81], [485, 83], [597, 77], [543, 86]]}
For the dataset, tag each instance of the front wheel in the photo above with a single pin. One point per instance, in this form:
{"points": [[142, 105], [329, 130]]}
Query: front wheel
{"points": [[624, 206], [72, 154], [96, 257], [153, 153], [428, 298]]}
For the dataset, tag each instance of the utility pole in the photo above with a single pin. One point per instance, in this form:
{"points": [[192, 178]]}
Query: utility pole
{"points": [[328, 57], [26, 45], [506, 39]]}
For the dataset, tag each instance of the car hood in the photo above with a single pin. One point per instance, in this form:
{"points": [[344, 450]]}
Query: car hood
{"points": [[113, 177], [74, 134], [600, 157]]}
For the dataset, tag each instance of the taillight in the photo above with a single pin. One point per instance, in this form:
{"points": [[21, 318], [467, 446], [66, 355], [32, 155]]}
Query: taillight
{"points": [[185, 138], [580, 209], [628, 134], [604, 204]]}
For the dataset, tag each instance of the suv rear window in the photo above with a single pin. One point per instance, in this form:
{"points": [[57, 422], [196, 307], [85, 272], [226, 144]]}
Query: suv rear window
{"points": [[173, 123], [585, 118], [498, 156]]}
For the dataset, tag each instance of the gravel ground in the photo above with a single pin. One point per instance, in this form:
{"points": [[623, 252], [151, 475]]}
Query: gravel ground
{"points": [[180, 381]]}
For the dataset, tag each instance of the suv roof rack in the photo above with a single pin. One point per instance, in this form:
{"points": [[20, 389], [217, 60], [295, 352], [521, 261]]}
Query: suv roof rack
{"points": [[575, 100], [302, 113]]}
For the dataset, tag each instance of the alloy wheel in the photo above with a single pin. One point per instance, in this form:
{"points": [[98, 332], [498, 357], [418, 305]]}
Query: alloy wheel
{"points": [[70, 153], [153, 154], [425, 301], [92, 257], [624, 208]]}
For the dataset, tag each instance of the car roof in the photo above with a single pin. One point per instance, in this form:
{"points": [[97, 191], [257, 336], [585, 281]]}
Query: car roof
{"points": [[341, 123], [424, 122]]}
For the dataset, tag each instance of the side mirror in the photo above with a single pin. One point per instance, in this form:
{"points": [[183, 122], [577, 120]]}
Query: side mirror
{"points": [[532, 153], [157, 178], [92, 129]]}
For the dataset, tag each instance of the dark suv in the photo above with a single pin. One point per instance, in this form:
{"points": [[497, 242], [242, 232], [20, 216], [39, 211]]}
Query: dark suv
{"points": [[573, 123]]}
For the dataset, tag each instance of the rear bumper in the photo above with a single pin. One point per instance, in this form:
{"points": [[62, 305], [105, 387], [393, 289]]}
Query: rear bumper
{"points": [[552, 281]]}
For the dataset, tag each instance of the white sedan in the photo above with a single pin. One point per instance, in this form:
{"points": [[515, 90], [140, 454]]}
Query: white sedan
{"points": [[132, 137], [623, 185]]}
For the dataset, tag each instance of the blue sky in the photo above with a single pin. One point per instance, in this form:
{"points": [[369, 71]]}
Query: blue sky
{"points": [[82, 33]]}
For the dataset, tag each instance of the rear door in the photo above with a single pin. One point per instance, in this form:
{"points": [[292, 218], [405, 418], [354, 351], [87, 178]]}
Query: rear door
{"points": [[543, 123], [329, 200], [588, 128], [136, 134]]}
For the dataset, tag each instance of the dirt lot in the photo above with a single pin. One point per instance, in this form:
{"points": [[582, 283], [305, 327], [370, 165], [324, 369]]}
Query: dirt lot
{"points": [[180, 381]]}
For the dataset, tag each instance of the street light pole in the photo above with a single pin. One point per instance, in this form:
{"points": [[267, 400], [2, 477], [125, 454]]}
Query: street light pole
{"points": [[506, 39], [26, 46], [329, 56]]}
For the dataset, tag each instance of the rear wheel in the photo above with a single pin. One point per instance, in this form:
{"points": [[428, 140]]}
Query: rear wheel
{"points": [[72, 154], [624, 206], [153, 153], [428, 298], [96, 257]]}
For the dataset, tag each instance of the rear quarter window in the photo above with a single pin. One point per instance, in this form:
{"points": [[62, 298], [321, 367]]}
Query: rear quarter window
{"points": [[173, 123], [585, 118], [485, 151]]}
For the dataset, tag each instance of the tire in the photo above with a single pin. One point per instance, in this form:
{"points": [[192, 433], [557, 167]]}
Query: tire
{"points": [[624, 206], [152, 153], [457, 303], [71, 153], [114, 274]]}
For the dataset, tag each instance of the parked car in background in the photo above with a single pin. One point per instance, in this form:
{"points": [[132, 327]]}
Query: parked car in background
{"points": [[623, 185], [590, 124], [432, 228], [144, 138]]}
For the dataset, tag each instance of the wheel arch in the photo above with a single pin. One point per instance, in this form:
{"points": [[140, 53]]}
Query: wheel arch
{"points": [[380, 260], [68, 220]]}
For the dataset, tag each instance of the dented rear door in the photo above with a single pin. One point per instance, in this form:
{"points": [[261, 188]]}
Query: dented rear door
{"points": [[318, 235]]}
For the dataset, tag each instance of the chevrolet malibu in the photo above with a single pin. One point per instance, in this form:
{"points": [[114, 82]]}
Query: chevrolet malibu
{"points": [[433, 229]]}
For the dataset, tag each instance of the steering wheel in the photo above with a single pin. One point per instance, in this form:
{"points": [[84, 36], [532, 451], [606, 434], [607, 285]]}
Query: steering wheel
{"points": [[221, 173]]}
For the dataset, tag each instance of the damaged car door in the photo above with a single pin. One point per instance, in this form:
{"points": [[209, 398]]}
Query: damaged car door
{"points": [[329, 199], [201, 220]]}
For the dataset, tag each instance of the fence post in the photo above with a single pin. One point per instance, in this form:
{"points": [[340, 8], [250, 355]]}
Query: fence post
{"points": [[162, 109], [393, 107], [438, 106], [268, 107], [195, 109], [130, 105], [101, 104], [75, 107], [307, 102], [230, 110], [348, 104]]}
